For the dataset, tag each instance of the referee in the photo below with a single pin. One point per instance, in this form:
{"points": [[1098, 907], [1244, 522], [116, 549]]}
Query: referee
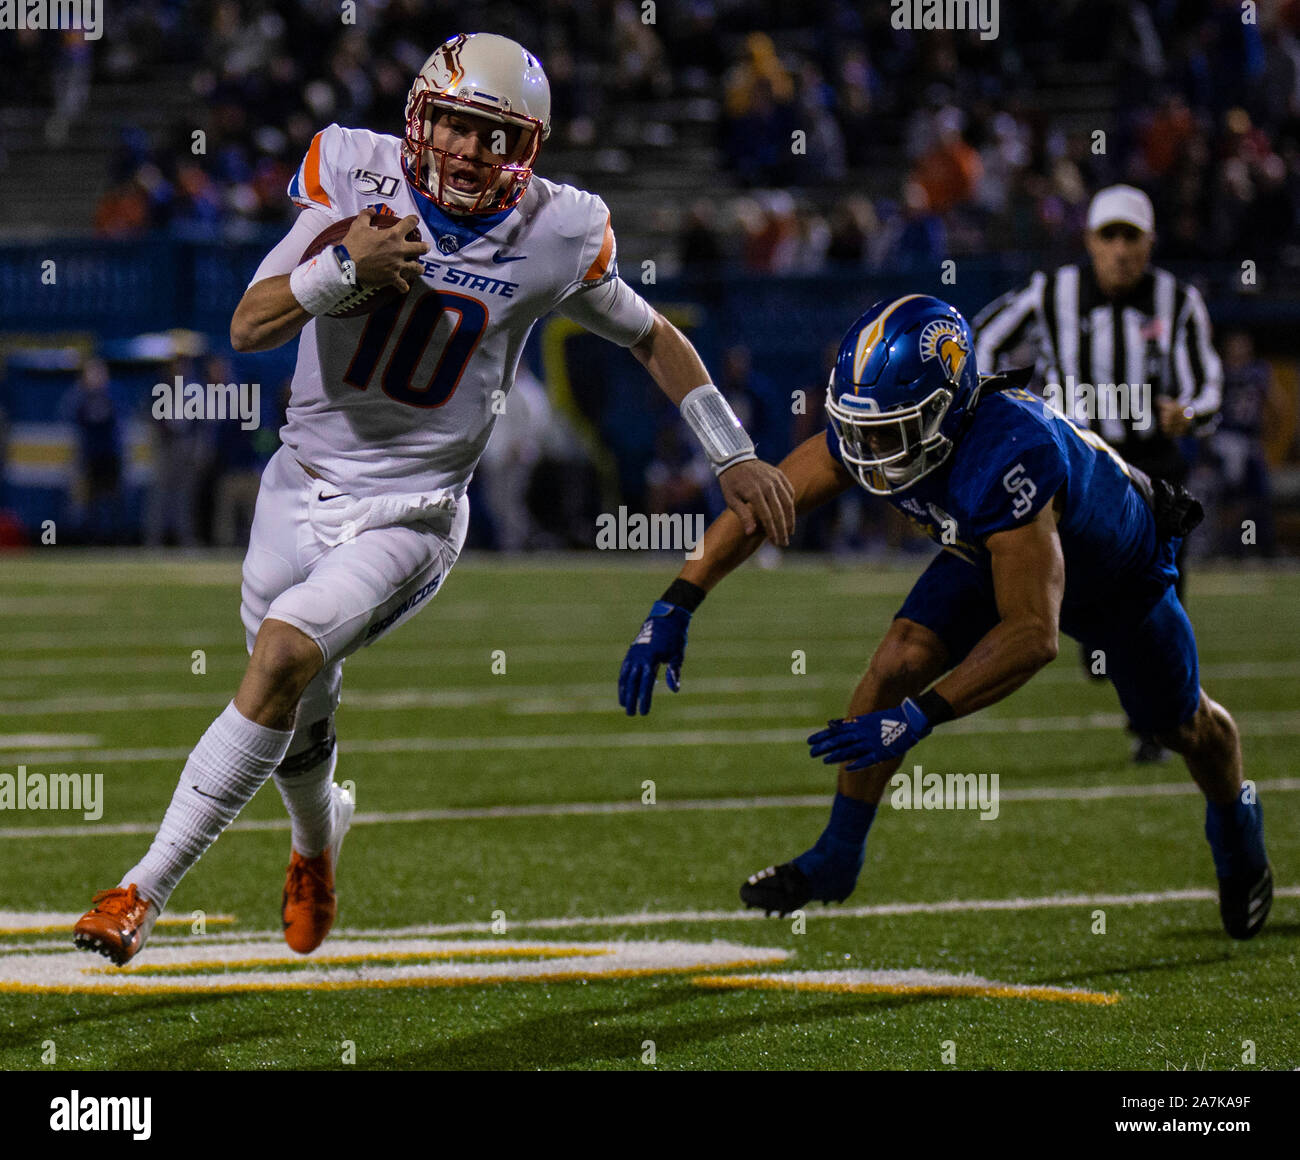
{"points": [[1123, 345]]}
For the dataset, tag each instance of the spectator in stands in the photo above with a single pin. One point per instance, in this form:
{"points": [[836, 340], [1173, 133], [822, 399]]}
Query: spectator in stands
{"points": [[90, 408], [1005, 152], [197, 210], [761, 117], [1252, 405], [239, 458], [123, 212], [72, 70], [762, 405], [692, 39], [169, 498], [950, 169], [853, 224], [771, 232], [918, 238], [824, 140], [679, 480], [859, 88], [1167, 133], [759, 72], [700, 247], [506, 469], [641, 70]]}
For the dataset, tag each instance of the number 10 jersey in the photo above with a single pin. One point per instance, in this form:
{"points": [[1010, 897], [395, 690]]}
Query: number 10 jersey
{"points": [[405, 398]]}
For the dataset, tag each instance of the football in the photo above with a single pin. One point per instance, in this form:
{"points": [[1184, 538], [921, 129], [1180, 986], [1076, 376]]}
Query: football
{"points": [[366, 299]]}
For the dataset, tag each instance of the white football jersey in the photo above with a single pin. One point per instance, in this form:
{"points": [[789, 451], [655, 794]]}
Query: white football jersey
{"points": [[405, 398]]}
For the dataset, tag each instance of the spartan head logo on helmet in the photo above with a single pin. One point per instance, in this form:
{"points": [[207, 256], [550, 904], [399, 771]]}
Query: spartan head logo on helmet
{"points": [[943, 339]]}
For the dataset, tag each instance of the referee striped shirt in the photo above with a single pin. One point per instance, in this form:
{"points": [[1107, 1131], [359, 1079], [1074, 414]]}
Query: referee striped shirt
{"points": [[1111, 359]]}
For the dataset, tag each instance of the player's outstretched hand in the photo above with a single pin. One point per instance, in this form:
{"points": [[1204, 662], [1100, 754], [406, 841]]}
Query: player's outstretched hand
{"points": [[662, 640], [871, 738], [385, 257], [762, 497]]}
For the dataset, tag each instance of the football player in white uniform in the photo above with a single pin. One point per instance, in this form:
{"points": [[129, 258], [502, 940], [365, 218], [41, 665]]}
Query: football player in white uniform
{"points": [[362, 511]]}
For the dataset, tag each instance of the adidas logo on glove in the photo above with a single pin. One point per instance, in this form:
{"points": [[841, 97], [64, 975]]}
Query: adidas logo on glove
{"points": [[891, 731]]}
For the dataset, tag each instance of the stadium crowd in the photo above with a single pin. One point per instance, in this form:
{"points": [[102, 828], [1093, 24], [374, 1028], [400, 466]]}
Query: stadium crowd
{"points": [[914, 145]]}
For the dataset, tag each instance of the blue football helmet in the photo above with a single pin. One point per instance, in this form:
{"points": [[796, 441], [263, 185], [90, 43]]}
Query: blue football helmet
{"points": [[903, 384]]}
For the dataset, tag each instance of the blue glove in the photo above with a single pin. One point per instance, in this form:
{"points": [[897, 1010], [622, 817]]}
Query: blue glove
{"points": [[871, 738], [662, 639]]}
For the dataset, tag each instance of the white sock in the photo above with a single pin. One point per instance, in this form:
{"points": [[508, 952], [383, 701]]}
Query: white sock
{"points": [[225, 769], [308, 798]]}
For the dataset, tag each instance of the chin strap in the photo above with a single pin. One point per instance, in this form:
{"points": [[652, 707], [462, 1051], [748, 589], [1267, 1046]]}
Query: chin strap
{"points": [[1017, 377]]}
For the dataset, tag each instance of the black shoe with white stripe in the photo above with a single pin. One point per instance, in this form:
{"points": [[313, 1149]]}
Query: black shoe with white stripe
{"points": [[779, 890], [1244, 902]]}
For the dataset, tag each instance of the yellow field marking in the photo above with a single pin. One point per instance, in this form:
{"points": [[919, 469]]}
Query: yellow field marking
{"points": [[265, 964], [369, 984], [503, 952], [866, 986], [65, 926]]}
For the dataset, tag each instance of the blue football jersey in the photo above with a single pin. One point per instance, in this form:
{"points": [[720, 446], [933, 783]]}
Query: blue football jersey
{"points": [[1015, 457]]}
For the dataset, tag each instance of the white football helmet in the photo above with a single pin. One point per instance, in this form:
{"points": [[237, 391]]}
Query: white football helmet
{"points": [[487, 76]]}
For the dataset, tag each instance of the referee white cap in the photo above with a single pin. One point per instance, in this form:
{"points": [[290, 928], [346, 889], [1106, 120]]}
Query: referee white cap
{"points": [[1121, 203]]}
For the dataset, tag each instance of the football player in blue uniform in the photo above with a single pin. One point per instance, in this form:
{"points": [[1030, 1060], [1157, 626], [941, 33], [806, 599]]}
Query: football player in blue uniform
{"points": [[1043, 528]]}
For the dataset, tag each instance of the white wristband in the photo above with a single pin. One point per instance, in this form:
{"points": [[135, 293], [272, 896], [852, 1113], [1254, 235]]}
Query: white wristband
{"points": [[323, 283], [715, 425]]}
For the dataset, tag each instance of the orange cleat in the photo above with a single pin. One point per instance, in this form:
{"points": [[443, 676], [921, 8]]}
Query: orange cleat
{"points": [[118, 924], [309, 905]]}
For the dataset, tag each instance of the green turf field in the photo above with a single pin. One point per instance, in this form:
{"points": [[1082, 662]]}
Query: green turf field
{"points": [[96, 678]]}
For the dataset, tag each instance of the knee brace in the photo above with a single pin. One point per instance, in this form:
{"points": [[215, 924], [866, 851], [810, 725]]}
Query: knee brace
{"points": [[311, 745], [313, 740]]}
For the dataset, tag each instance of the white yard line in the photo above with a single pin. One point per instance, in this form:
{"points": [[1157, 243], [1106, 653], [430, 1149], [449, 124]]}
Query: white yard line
{"points": [[650, 918], [646, 918], [880, 910], [598, 809], [849, 660], [454, 696], [48, 740], [517, 699], [555, 707], [1261, 724]]}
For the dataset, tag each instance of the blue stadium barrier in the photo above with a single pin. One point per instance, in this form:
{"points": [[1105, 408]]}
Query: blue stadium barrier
{"points": [[116, 293]]}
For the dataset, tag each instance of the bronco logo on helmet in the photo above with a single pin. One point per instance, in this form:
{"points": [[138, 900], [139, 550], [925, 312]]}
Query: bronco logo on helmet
{"points": [[443, 67]]}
